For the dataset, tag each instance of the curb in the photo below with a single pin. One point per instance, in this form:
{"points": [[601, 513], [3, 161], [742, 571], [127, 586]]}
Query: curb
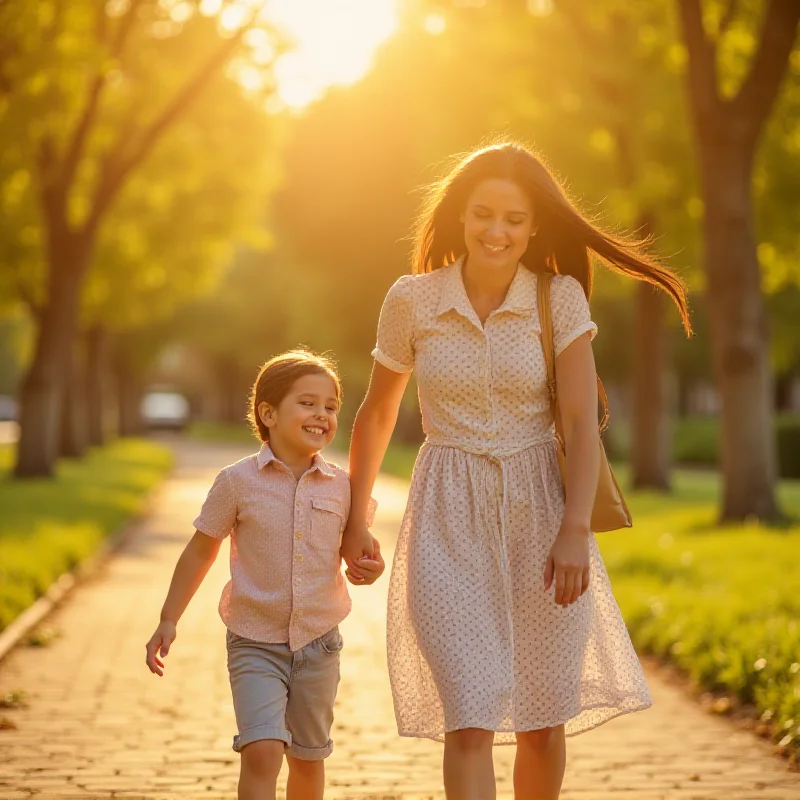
{"points": [[62, 586]]}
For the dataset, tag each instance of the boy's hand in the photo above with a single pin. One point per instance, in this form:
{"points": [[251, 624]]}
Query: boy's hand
{"points": [[368, 569], [357, 542], [159, 644]]}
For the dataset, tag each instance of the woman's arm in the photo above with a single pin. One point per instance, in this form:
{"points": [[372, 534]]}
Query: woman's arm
{"points": [[372, 431], [568, 564], [193, 564]]}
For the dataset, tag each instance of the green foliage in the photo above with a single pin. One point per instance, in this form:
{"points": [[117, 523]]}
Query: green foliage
{"points": [[696, 441], [49, 527], [15, 345], [720, 602], [192, 188], [233, 433], [787, 431]]}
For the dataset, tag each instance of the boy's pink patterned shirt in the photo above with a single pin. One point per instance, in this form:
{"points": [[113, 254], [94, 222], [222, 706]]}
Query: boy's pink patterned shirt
{"points": [[286, 581]]}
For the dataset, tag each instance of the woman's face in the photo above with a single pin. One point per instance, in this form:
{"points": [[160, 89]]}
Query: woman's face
{"points": [[498, 222]]}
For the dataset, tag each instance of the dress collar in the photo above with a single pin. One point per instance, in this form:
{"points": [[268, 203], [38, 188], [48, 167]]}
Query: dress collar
{"points": [[520, 298]]}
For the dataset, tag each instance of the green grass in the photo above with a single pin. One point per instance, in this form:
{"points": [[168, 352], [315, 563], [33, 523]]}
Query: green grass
{"points": [[230, 432], [721, 602], [47, 527]]}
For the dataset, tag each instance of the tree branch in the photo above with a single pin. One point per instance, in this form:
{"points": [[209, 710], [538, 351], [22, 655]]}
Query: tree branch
{"points": [[26, 295], [758, 91], [117, 170], [730, 15], [87, 118], [703, 94]]}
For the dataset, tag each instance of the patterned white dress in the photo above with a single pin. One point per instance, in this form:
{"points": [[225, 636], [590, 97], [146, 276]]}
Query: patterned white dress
{"points": [[474, 641]]}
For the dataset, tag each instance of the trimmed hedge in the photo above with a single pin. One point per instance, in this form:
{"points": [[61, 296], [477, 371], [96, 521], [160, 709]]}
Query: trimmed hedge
{"points": [[695, 441]]}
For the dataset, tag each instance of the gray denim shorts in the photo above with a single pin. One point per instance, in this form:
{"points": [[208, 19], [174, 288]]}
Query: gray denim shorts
{"points": [[278, 694]]}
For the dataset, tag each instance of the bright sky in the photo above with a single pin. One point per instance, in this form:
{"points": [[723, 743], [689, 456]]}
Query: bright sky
{"points": [[335, 42]]}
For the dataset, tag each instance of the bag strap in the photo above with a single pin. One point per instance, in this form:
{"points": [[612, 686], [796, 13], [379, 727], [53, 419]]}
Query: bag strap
{"points": [[543, 281]]}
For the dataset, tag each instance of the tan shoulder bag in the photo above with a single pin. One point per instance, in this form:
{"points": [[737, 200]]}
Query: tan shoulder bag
{"points": [[609, 512]]}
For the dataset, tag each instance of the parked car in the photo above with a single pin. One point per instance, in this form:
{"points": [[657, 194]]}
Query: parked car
{"points": [[8, 408], [165, 411]]}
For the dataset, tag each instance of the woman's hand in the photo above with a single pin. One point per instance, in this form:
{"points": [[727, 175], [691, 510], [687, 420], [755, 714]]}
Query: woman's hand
{"points": [[370, 569], [568, 564], [159, 644]]}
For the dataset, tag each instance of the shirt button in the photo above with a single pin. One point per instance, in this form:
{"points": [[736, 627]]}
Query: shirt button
{"points": [[298, 557], [297, 503], [298, 535]]}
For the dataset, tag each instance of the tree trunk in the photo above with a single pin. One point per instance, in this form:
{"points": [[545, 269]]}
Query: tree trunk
{"points": [[73, 440], [650, 451], [96, 366], [231, 406], [42, 387], [740, 337], [129, 393]]}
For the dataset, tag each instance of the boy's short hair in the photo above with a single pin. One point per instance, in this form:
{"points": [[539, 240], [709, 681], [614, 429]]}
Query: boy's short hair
{"points": [[276, 378]]}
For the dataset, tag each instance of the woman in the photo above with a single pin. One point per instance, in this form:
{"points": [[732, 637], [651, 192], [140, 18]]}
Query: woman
{"points": [[502, 625]]}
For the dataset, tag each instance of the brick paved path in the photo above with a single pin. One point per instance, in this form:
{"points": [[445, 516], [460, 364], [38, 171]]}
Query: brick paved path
{"points": [[98, 724]]}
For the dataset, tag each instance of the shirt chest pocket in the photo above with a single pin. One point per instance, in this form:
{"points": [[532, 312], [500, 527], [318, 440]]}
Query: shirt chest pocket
{"points": [[327, 521]]}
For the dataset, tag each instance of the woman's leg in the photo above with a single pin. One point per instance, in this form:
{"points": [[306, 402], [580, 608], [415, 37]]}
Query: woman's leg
{"points": [[261, 763], [468, 767], [306, 779], [539, 766]]}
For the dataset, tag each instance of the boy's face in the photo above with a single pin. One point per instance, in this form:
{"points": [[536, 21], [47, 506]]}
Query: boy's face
{"points": [[305, 421]]}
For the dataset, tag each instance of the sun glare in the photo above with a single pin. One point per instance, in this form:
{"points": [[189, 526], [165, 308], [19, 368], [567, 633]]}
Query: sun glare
{"points": [[333, 43]]}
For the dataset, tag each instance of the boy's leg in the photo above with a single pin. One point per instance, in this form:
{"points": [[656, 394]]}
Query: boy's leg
{"points": [[261, 763], [309, 715], [259, 675], [306, 779]]}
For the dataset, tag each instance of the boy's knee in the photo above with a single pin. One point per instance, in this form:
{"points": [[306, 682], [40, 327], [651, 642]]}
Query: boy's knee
{"points": [[264, 757], [304, 766]]}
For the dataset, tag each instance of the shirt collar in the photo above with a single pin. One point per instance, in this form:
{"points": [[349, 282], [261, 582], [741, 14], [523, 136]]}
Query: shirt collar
{"points": [[520, 298], [266, 456]]}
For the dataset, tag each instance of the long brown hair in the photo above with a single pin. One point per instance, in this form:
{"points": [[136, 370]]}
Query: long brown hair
{"points": [[276, 378], [564, 236]]}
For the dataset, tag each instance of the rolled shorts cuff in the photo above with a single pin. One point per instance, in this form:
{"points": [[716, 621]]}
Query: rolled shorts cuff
{"points": [[259, 733], [310, 753]]}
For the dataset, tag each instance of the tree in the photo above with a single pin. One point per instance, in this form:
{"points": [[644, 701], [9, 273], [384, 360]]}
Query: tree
{"points": [[728, 122], [148, 61], [174, 232]]}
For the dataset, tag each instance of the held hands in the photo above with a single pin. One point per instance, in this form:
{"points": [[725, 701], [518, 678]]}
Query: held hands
{"points": [[568, 564], [366, 570], [159, 643], [362, 554]]}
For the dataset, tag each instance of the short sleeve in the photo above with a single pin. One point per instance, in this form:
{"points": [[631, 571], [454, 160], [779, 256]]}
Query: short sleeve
{"points": [[372, 506], [395, 346], [218, 514], [570, 311]]}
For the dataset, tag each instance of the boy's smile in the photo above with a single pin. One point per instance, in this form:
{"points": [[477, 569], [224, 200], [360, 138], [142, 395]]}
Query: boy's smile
{"points": [[305, 421]]}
